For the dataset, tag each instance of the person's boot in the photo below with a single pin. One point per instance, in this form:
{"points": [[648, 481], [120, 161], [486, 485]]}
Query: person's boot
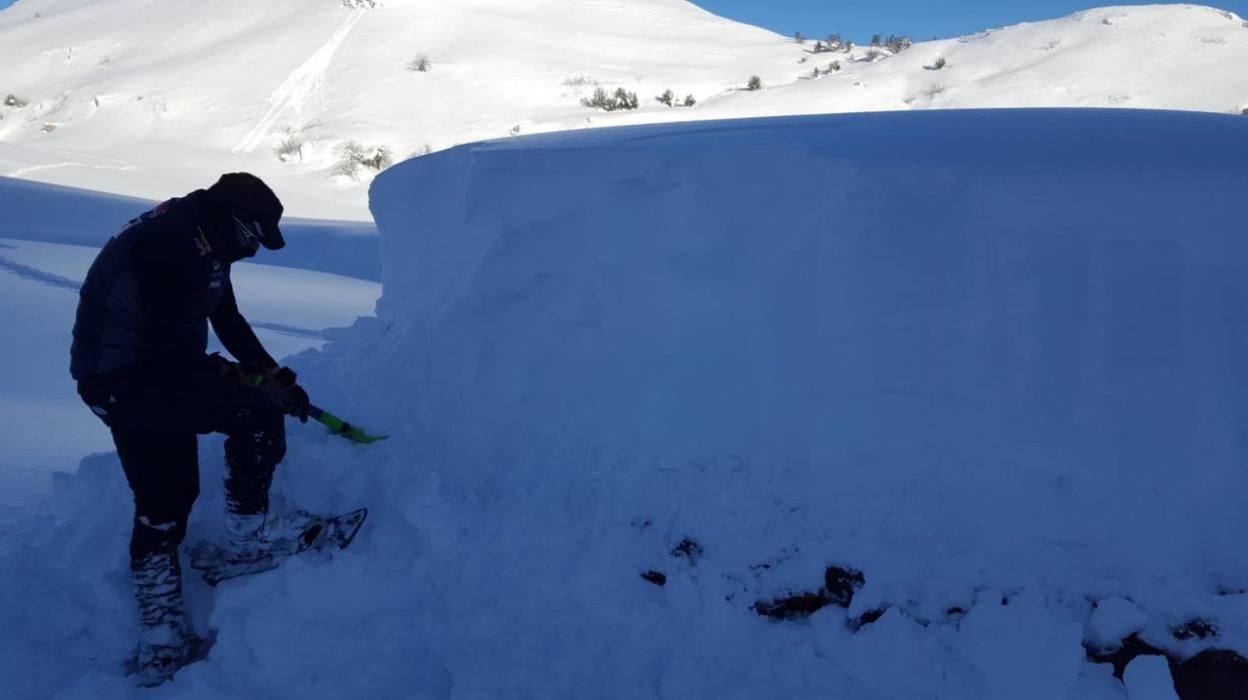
{"points": [[247, 481], [163, 642], [245, 538]]}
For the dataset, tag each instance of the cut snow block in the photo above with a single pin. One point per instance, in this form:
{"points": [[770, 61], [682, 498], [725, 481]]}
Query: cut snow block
{"points": [[990, 279], [1113, 620], [1148, 678]]}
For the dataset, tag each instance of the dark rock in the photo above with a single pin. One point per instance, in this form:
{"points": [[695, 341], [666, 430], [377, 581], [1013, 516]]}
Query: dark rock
{"points": [[1216, 674], [794, 607], [841, 584], [658, 578], [689, 549], [869, 617], [1194, 629], [1131, 647]]}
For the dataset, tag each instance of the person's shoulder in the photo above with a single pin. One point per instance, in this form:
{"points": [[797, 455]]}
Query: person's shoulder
{"points": [[168, 229]]}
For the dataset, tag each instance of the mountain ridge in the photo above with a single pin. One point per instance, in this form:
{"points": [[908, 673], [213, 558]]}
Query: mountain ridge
{"points": [[103, 104]]}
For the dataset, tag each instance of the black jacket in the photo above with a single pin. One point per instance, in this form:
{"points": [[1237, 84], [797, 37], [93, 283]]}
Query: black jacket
{"points": [[150, 293]]}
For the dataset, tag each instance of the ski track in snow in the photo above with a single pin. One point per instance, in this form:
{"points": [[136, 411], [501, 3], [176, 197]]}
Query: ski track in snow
{"points": [[287, 330], [37, 275], [23, 172], [305, 81]]}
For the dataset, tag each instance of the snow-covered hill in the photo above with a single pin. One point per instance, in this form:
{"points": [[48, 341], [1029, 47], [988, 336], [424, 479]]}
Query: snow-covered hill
{"points": [[143, 97]]}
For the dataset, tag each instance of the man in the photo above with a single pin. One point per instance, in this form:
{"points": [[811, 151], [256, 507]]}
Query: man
{"points": [[139, 357]]}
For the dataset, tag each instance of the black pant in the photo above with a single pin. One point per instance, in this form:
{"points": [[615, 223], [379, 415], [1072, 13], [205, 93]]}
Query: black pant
{"points": [[155, 414]]}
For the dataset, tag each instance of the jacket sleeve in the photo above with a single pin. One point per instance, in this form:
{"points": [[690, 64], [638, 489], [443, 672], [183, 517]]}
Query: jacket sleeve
{"points": [[236, 334]]}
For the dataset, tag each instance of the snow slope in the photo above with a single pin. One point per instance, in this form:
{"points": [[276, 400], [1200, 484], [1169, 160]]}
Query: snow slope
{"points": [[35, 211], [998, 374], [142, 97]]}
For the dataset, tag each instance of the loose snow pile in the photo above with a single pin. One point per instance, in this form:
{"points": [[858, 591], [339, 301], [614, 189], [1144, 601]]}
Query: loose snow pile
{"points": [[992, 360]]}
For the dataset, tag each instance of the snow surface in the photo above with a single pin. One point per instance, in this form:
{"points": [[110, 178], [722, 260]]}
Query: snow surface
{"points": [[142, 97], [997, 373]]}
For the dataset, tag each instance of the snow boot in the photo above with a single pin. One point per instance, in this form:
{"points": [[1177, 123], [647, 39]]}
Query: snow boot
{"points": [[163, 642], [246, 537]]}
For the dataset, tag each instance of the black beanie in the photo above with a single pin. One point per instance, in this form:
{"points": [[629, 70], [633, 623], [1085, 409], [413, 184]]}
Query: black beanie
{"points": [[246, 196]]}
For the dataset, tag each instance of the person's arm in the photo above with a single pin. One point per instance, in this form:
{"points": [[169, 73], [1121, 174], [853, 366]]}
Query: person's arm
{"points": [[240, 340], [236, 334]]}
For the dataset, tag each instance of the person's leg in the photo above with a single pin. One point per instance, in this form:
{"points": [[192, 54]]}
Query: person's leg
{"points": [[154, 417], [200, 402], [203, 402], [163, 472], [251, 456]]}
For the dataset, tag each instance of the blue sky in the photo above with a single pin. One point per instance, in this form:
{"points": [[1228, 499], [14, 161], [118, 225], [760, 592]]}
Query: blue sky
{"points": [[918, 19]]}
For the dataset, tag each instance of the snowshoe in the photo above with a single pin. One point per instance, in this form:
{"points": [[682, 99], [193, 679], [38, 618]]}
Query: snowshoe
{"points": [[294, 534]]}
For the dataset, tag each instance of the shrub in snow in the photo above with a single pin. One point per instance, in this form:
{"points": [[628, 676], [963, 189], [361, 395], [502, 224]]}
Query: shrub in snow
{"points": [[12, 100], [832, 43], [755, 83], [422, 151], [420, 64], [940, 63], [834, 67], [289, 149], [625, 99], [580, 81], [872, 55], [897, 44], [666, 98], [797, 36], [1244, 112], [352, 156], [600, 100], [689, 102], [875, 39], [620, 99]]}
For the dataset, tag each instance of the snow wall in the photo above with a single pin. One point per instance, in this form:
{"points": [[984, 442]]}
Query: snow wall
{"points": [[960, 350], [970, 290]]}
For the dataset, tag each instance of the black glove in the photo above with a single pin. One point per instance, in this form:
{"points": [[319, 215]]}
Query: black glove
{"points": [[294, 399], [226, 369]]}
